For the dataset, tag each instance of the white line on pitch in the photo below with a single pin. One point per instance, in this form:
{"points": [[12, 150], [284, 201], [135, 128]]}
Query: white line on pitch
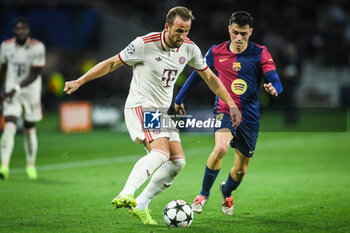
{"points": [[96, 162], [203, 151]]}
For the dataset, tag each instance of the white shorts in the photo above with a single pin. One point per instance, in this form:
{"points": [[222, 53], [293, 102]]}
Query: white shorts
{"points": [[134, 119], [20, 106]]}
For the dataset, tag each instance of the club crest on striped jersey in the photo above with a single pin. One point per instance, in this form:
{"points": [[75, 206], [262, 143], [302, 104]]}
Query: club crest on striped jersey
{"points": [[239, 86], [182, 60], [236, 66]]}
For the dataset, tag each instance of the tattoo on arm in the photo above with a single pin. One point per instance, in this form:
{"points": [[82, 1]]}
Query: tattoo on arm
{"points": [[113, 66]]}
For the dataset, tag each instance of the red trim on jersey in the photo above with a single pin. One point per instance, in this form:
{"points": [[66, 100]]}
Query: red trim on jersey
{"points": [[188, 41], [176, 157], [137, 111], [161, 41], [139, 115], [11, 40], [120, 58], [202, 69], [149, 41], [151, 38], [147, 130], [147, 133], [162, 152]]}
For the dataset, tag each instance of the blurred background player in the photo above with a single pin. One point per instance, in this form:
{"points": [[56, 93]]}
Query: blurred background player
{"points": [[290, 77], [240, 65], [22, 60], [157, 60]]}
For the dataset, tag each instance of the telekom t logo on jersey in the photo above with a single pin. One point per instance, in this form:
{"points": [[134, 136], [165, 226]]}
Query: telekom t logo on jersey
{"points": [[168, 75]]}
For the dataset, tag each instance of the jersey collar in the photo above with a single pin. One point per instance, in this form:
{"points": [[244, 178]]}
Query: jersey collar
{"points": [[165, 46], [249, 46]]}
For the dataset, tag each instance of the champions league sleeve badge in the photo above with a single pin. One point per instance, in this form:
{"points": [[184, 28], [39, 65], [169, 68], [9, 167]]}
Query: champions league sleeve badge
{"points": [[130, 49]]}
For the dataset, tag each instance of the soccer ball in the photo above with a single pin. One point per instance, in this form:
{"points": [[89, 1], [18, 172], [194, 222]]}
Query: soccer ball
{"points": [[178, 213]]}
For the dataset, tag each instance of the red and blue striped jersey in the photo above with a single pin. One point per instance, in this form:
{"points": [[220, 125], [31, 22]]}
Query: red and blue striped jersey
{"points": [[241, 74]]}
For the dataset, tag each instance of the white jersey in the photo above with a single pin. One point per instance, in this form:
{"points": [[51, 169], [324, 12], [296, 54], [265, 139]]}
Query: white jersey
{"points": [[156, 68], [20, 60]]}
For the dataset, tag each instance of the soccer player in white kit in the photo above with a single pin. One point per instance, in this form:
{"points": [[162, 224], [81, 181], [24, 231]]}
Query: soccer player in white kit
{"points": [[157, 60], [22, 59]]}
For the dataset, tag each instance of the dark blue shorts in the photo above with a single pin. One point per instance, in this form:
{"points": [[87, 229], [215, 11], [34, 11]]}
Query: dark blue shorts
{"points": [[245, 135]]}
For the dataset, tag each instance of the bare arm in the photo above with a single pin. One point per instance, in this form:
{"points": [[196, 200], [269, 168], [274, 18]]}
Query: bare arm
{"points": [[95, 72], [216, 86], [34, 73], [3, 75], [2, 81]]}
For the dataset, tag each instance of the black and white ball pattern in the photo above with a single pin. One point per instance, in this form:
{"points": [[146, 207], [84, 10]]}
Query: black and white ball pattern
{"points": [[178, 213]]}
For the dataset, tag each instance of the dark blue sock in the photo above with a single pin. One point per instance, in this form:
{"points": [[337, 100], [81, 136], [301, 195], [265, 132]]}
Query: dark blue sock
{"points": [[229, 186], [208, 180]]}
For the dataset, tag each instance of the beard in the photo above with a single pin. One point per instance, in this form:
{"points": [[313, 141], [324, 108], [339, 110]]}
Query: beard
{"points": [[21, 41], [175, 44]]}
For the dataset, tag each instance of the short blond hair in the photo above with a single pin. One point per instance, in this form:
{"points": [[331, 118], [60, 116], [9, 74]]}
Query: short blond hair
{"points": [[183, 12]]}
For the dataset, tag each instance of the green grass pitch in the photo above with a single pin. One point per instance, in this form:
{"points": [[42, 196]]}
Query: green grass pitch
{"points": [[296, 182]]}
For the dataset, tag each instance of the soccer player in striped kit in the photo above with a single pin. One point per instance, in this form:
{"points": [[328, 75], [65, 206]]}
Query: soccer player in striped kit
{"points": [[241, 64], [157, 60]]}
